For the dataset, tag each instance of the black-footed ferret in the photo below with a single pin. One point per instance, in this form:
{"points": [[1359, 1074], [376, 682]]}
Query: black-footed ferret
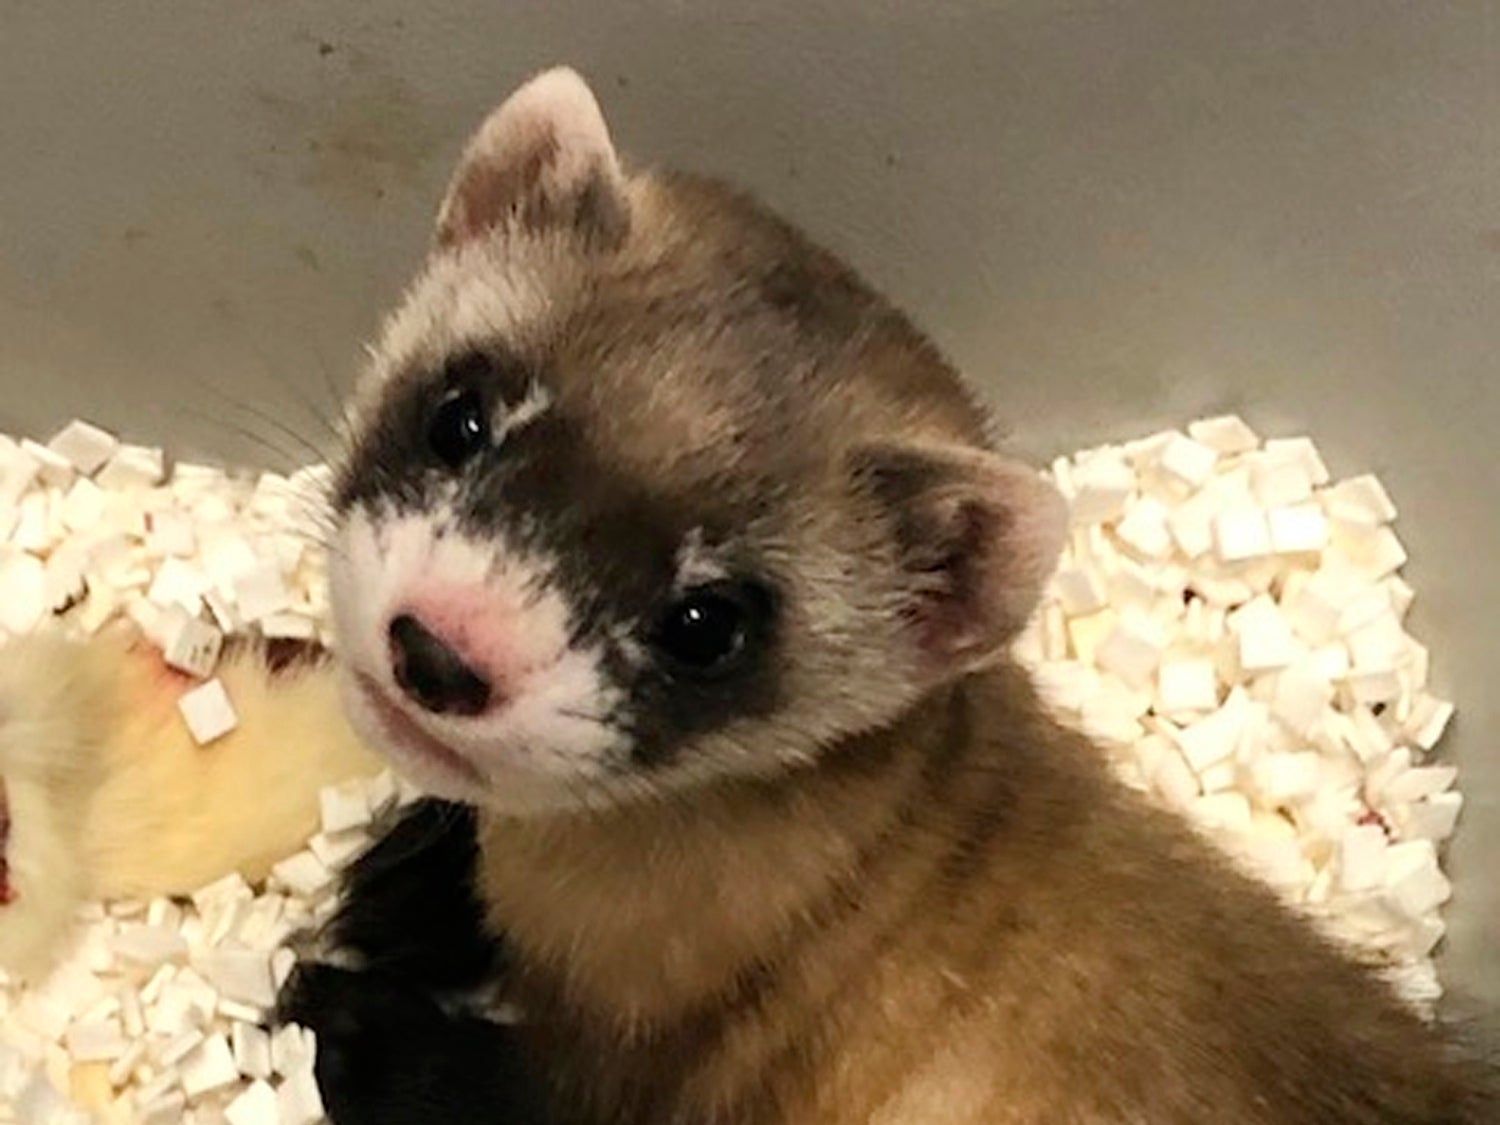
{"points": [[681, 556]]}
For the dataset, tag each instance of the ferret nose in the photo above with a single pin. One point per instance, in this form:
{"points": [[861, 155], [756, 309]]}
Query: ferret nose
{"points": [[433, 674]]}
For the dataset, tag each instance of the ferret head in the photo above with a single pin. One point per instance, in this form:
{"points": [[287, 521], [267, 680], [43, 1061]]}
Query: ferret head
{"points": [[645, 490]]}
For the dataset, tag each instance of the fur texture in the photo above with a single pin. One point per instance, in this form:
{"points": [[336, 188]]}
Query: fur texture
{"points": [[369, 1027], [111, 798], [769, 829], [170, 815], [404, 1036], [927, 928], [58, 707], [411, 911]]}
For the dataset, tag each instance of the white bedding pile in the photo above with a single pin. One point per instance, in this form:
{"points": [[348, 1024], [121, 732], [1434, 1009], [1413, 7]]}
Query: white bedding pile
{"points": [[1231, 623]]}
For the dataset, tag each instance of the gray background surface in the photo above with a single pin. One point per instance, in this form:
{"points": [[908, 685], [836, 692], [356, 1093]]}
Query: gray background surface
{"points": [[1113, 215]]}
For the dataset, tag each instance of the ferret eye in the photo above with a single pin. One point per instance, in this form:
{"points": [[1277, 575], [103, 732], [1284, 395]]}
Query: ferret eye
{"points": [[709, 629], [459, 428]]}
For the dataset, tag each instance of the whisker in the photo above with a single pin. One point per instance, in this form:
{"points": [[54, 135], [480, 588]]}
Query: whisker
{"points": [[339, 401], [296, 391], [319, 454], [447, 816], [283, 455], [601, 719]]}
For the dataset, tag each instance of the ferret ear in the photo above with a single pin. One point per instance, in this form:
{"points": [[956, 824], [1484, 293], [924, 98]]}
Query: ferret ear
{"points": [[542, 160], [977, 538]]}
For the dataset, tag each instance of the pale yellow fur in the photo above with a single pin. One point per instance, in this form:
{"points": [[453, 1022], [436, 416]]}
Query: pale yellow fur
{"points": [[171, 815], [57, 706], [111, 798]]}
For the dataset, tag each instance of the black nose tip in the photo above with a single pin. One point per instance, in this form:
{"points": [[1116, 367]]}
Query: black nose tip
{"points": [[433, 674]]}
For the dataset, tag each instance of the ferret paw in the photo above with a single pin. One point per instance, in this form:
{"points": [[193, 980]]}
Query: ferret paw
{"points": [[408, 907], [388, 1055]]}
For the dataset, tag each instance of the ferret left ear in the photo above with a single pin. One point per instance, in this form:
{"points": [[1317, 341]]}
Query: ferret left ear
{"points": [[543, 160], [977, 537]]}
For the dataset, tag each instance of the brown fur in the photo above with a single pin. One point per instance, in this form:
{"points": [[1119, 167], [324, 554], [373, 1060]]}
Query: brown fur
{"points": [[963, 919]]}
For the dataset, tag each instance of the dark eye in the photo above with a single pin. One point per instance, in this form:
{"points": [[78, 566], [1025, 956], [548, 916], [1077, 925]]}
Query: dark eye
{"points": [[708, 630], [459, 428]]}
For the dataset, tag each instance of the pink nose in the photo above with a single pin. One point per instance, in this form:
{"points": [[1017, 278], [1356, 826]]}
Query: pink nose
{"points": [[431, 673], [457, 649]]}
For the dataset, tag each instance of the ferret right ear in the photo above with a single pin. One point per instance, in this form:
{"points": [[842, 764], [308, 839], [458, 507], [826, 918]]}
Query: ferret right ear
{"points": [[543, 160], [977, 538]]}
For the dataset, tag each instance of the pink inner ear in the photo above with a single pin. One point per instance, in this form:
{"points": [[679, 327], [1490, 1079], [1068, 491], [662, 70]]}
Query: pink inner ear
{"points": [[489, 193], [958, 585], [994, 545], [977, 537], [543, 157]]}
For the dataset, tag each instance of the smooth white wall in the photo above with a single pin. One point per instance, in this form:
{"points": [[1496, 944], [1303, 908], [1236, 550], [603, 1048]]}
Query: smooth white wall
{"points": [[1113, 215]]}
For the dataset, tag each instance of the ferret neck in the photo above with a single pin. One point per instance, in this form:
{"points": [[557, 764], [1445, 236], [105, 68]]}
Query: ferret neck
{"points": [[642, 914]]}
